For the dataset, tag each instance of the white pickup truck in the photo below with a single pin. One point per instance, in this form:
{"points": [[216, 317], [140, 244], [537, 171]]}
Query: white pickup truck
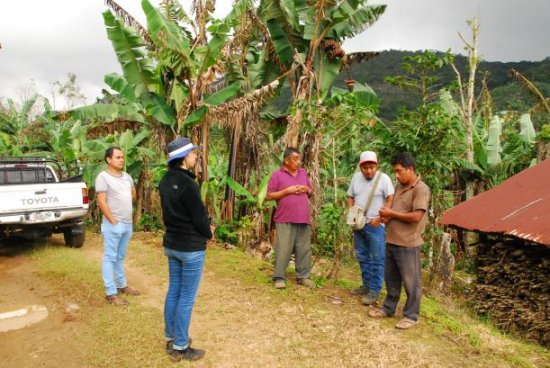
{"points": [[39, 197]]}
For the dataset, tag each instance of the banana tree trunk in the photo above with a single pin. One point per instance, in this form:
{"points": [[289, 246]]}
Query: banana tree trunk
{"points": [[543, 148], [204, 135], [229, 200], [141, 194], [293, 129]]}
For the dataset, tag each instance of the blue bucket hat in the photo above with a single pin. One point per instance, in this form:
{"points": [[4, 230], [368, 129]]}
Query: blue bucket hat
{"points": [[179, 148]]}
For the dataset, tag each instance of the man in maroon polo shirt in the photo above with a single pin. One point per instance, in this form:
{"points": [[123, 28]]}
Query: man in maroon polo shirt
{"points": [[291, 188]]}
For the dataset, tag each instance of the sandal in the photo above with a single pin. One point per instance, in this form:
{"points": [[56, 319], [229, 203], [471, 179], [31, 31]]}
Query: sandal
{"points": [[378, 313], [405, 324]]}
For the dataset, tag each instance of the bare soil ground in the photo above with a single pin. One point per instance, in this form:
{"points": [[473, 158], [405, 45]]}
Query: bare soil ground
{"points": [[44, 343], [240, 321]]}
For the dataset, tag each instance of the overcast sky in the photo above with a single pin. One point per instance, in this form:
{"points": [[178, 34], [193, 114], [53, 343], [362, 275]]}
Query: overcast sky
{"points": [[43, 40]]}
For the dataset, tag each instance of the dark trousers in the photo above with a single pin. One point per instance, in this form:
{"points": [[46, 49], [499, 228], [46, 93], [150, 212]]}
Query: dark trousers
{"points": [[402, 267]]}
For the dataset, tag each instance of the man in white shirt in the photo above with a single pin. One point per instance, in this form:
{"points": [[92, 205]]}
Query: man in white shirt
{"points": [[370, 241], [115, 192]]}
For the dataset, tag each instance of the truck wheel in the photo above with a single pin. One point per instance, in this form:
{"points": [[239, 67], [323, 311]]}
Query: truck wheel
{"points": [[75, 236]]}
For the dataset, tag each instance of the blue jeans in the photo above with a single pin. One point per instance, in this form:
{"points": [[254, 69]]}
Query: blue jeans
{"points": [[185, 270], [115, 243], [369, 249]]}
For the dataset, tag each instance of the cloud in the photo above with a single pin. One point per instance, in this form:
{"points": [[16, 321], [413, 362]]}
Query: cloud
{"points": [[45, 40]]}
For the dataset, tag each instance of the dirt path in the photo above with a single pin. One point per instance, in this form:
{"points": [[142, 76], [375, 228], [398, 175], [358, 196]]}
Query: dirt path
{"points": [[239, 324], [44, 343]]}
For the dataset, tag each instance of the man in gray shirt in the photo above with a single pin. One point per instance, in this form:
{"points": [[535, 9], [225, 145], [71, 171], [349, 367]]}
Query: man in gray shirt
{"points": [[369, 242], [115, 192]]}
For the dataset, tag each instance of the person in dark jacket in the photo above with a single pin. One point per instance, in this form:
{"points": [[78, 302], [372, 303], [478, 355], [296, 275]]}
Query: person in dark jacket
{"points": [[187, 230]]}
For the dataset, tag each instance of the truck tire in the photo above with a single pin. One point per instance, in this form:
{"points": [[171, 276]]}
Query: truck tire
{"points": [[75, 236]]}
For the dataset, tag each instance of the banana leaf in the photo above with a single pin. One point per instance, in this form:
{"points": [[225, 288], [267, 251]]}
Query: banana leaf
{"points": [[208, 55], [239, 189], [126, 142], [128, 49], [166, 34], [480, 136], [364, 93], [224, 94], [348, 21], [283, 47], [23, 116], [156, 107], [327, 71], [179, 93], [120, 85], [106, 113], [195, 117], [470, 166], [263, 71], [283, 11], [78, 136], [238, 10], [307, 16], [262, 190]]}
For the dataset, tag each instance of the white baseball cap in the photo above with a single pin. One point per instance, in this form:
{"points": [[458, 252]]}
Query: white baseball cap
{"points": [[368, 156]]}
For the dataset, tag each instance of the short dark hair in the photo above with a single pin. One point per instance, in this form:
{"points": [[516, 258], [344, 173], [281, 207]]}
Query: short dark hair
{"points": [[404, 159], [109, 152], [289, 151], [176, 163]]}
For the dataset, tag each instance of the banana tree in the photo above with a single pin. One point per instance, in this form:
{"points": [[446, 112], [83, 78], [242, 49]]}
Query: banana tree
{"points": [[179, 74], [306, 38], [15, 124], [503, 148], [260, 208], [189, 64]]}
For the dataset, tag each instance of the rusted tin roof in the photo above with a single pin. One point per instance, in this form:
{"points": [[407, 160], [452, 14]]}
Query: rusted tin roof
{"points": [[519, 206]]}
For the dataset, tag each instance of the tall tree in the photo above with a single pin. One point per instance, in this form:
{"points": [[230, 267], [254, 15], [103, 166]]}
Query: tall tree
{"points": [[467, 96]]}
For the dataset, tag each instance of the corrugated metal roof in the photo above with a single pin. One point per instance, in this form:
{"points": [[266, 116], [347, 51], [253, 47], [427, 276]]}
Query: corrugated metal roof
{"points": [[519, 206]]}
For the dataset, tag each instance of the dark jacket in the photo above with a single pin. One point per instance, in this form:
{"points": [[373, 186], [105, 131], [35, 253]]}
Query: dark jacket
{"points": [[185, 217]]}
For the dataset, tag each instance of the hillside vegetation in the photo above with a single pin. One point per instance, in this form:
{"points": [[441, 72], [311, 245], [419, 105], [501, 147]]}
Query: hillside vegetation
{"points": [[507, 93]]}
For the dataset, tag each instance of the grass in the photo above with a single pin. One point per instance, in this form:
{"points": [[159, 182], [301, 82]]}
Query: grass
{"points": [[133, 336], [443, 322], [127, 337], [69, 273]]}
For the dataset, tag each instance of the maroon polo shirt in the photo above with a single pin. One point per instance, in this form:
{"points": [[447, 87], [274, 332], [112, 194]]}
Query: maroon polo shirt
{"points": [[292, 208]]}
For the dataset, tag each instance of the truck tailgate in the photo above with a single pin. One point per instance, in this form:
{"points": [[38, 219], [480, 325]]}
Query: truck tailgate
{"points": [[36, 197]]}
